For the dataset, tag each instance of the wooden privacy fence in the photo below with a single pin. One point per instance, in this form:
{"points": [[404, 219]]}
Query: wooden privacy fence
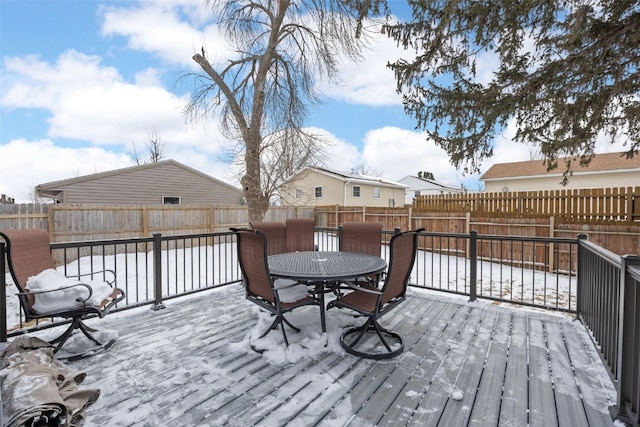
{"points": [[617, 204], [620, 237], [66, 223]]}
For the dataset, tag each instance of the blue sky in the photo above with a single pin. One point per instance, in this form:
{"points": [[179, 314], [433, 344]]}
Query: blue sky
{"points": [[83, 81]]}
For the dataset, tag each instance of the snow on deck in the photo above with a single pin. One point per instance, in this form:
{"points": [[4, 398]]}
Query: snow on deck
{"points": [[464, 363]]}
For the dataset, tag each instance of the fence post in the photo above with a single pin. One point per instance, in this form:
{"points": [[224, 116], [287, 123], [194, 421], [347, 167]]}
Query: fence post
{"points": [[552, 247], [473, 265], [628, 372], [3, 293], [157, 272]]}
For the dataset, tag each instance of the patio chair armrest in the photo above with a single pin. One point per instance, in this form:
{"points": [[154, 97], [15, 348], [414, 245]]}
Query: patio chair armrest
{"points": [[62, 288], [363, 289], [110, 282]]}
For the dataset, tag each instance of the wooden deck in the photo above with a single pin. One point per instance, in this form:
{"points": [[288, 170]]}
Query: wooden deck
{"points": [[464, 364]]}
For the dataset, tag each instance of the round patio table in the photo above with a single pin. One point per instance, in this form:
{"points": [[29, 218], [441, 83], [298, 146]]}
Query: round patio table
{"points": [[324, 269]]}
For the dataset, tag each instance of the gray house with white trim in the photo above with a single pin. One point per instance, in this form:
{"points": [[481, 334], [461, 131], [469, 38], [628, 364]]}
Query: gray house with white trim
{"points": [[164, 182]]}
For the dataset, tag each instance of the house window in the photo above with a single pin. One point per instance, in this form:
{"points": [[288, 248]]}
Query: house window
{"points": [[417, 193], [356, 191], [298, 193], [170, 200], [318, 192], [376, 192]]}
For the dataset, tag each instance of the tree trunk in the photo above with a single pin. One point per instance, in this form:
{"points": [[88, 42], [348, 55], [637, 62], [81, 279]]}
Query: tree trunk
{"points": [[251, 184]]}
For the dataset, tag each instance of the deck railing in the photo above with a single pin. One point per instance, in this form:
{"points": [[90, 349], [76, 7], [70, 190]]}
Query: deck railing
{"points": [[609, 305], [570, 275]]}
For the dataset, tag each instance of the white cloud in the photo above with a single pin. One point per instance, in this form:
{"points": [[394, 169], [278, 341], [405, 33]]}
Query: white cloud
{"points": [[33, 83], [173, 31], [148, 77], [342, 156], [41, 161], [91, 103], [399, 152], [369, 82]]}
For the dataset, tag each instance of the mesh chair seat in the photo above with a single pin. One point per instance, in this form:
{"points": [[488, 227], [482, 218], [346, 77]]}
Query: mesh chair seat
{"points": [[275, 233], [300, 234], [363, 238]]}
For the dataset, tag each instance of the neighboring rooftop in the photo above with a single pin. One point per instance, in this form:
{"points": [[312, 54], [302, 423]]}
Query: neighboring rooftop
{"points": [[599, 163], [354, 177]]}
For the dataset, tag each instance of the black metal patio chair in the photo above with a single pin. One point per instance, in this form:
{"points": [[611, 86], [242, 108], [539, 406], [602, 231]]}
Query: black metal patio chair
{"points": [[29, 254], [374, 303], [259, 284]]}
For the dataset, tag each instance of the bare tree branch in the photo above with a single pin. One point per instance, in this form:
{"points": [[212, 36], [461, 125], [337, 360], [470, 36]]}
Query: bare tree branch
{"points": [[262, 96]]}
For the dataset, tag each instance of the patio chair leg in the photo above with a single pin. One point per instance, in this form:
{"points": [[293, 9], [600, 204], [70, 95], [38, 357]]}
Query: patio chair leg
{"points": [[89, 328], [281, 320], [380, 330], [290, 325], [284, 334], [76, 323], [273, 326], [362, 329], [62, 338], [87, 332], [371, 325]]}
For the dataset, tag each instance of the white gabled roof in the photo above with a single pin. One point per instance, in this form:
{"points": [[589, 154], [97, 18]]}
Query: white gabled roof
{"points": [[351, 177], [434, 184]]}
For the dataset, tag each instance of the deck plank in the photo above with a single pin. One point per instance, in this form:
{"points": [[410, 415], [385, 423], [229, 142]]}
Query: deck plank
{"points": [[353, 396], [414, 365], [389, 395], [374, 399], [514, 407], [488, 397], [582, 354], [500, 358], [443, 382], [543, 411], [457, 410], [570, 407]]}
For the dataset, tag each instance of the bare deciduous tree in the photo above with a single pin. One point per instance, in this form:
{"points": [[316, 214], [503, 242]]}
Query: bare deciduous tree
{"points": [[155, 150], [262, 94], [367, 170]]}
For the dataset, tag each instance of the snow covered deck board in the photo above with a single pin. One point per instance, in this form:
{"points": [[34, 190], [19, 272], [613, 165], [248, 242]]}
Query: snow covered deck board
{"points": [[464, 363]]}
